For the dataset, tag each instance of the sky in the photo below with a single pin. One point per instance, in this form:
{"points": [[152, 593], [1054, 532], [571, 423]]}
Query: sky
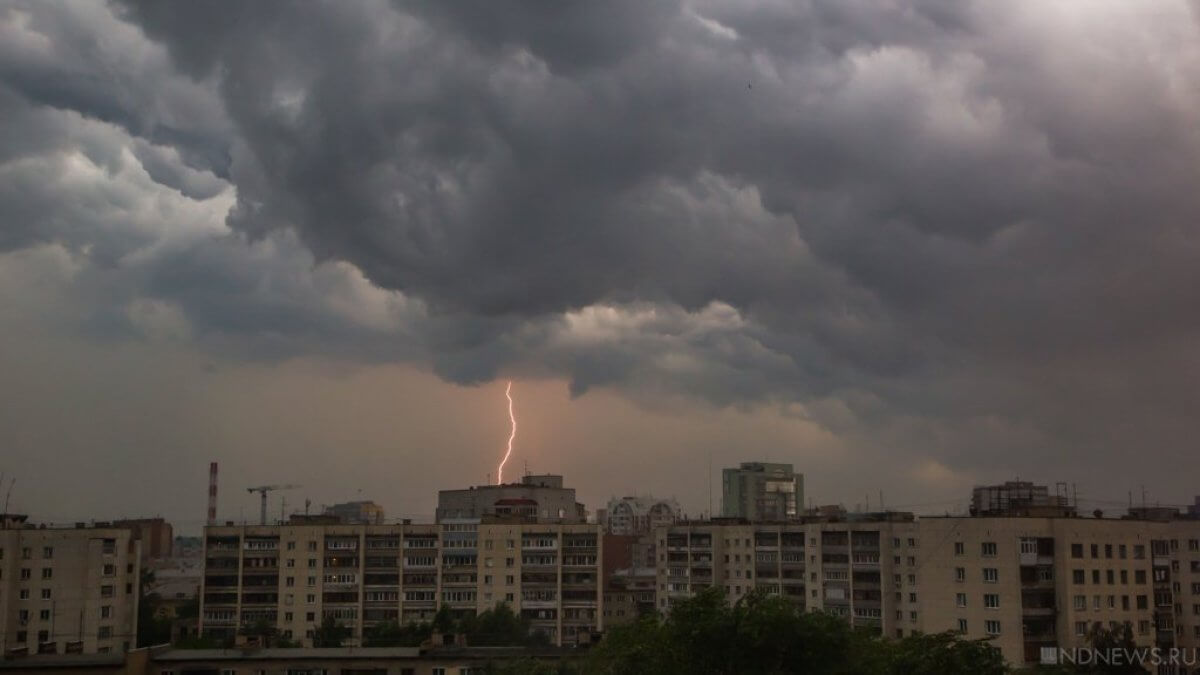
{"points": [[909, 247]]}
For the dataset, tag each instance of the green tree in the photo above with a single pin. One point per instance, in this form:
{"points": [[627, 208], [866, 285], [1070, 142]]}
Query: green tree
{"points": [[392, 634], [939, 653], [331, 633], [151, 629], [1118, 640]]}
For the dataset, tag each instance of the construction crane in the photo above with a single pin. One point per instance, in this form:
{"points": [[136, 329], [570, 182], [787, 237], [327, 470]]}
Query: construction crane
{"points": [[263, 490]]}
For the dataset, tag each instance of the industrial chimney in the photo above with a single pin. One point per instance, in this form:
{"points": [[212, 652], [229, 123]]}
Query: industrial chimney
{"points": [[212, 493]]}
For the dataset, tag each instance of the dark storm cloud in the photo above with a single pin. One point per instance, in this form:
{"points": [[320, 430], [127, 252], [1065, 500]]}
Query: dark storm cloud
{"points": [[936, 225]]}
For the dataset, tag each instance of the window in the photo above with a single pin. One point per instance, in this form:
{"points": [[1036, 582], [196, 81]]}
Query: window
{"points": [[1143, 602], [1139, 551], [1078, 577], [988, 549], [47, 573], [1124, 577], [1139, 576], [1081, 628], [44, 615], [911, 561], [104, 633], [960, 574], [48, 552], [991, 627], [962, 626], [1143, 627], [1081, 603], [23, 594], [960, 599], [991, 600], [1095, 550], [1108, 550], [991, 575], [45, 593], [109, 569], [1076, 550], [291, 546], [106, 612], [960, 548], [106, 591], [26, 573], [1095, 576]]}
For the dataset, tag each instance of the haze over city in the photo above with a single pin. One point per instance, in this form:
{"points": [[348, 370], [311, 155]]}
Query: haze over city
{"points": [[905, 247]]}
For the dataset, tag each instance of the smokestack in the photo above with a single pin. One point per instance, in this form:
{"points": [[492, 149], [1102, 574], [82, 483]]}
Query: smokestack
{"points": [[212, 493]]}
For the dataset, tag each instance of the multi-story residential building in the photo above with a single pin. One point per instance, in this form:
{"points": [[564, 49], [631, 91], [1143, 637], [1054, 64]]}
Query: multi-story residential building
{"points": [[537, 496], [156, 535], [1026, 583], [293, 576], [67, 590], [1020, 498], [760, 491], [356, 513], [639, 515]]}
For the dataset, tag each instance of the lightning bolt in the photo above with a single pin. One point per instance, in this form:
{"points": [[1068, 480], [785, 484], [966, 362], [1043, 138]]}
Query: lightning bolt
{"points": [[512, 418]]}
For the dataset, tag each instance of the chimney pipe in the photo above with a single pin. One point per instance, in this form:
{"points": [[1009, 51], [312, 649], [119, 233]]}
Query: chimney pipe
{"points": [[212, 493]]}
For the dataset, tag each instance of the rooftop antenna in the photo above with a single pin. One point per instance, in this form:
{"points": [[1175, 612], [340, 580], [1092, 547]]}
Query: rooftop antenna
{"points": [[710, 514], [8, 495]]}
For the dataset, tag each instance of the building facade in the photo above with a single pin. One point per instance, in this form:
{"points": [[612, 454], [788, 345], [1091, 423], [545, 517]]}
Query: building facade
{"points": [[294, 576], [356, 513], [1020, 498], [760, 491], [639, 515], [537, 496], [67, 590], [1023, 583], [155, 534]]}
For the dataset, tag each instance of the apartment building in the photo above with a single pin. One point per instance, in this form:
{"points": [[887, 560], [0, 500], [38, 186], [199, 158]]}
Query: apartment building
{"points": [[536, 496], [293, 576], [1024, 583], [638, 515], [762, 491], [67, 590]]}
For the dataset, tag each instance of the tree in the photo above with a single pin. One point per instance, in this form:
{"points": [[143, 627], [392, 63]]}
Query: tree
{"points": [[939, 653], [331, 633], [392, 634], [495, 627], [1120, 641]]}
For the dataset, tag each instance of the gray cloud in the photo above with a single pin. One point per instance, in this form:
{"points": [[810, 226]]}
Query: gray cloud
{"points": [[958, 230]]}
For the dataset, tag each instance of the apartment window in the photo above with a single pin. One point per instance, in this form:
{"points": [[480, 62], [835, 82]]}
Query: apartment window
{"points": [[912, 616], [45, 593], [1112, 602], [1122, 551], [1194, 544], [960, 548], [310, 598], [1143, 602], [1076, 550], [1096, 602], [988, 549], [487, 579], [1139, 551], [26, 573], [912, 542], [106, 591], [960, 599], [1081, 603], [991, 627], [1125, 602], [911, 561], [1108, 550], [1095, 550], [104, 633], [106, 612], [1124, 577], [109, 569], [960, 574], [23, 616], [1143, 627], [1111, 577], [47, 573], [312, 562], [991, 575], [962, 626], [287, 616], [1095, 576], [895, 542], [991, 600], [1078, 577], [312, 545], [48, 552], [1080, 628], [23, 594], [291, 546], [44, 615], [26, 553], [912, 597], [291, 562], [1139, 576], [912, 579]]}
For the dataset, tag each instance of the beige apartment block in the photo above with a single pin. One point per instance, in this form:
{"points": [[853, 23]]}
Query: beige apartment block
{"points": [[67, 590], [293, 576], [1025, 583]]}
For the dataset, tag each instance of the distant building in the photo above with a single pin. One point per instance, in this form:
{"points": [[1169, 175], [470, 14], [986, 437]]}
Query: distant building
{"points": [[1019, 498], [541, 498], [67, 590], [761, 491], [357, 513], [639, 515], [1193, 511], [157, 536]]}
